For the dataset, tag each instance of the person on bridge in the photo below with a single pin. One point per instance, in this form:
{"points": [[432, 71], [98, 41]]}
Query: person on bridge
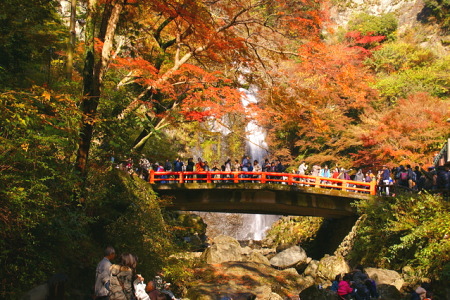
{"points": [[325, 172], [236, 166], [245, 160], [200, 167], [178, 165], [386, 179], [256, 168], [402, 177], [315, 170], [302, 168]]}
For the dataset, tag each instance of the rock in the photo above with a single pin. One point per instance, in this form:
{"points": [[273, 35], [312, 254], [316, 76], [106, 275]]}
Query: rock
{"points": [[266, 293], [290, 272], [330, 266], [386, 277], [257, 257], [246, 250], [388, 292], [306, 282], [311, 269], [223, 249], [289, 258], [314, 293], [38, 293]]}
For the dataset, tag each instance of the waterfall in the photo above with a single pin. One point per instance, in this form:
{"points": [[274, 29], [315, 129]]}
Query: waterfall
{"points": [[255, 225], [256, 145], [244, 226]]}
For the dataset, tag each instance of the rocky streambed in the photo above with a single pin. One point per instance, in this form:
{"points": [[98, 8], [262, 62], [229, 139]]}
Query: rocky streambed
{"points": [[232, 271]]}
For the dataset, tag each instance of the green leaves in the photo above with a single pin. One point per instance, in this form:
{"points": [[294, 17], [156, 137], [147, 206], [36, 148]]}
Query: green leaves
{"points": [[409, 230]]}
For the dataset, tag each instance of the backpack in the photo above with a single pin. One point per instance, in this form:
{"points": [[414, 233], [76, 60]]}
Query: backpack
{"points": [[404, 176]]}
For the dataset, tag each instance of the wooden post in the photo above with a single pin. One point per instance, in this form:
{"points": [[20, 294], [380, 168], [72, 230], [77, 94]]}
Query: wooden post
{"points": [[373, 187], [152, 176], [317, 182], [263, 177], [290, 180], [180, 177]]}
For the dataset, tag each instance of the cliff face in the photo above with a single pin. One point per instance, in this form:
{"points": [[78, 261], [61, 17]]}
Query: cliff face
{"points": [[408, 12], [411, 15]]}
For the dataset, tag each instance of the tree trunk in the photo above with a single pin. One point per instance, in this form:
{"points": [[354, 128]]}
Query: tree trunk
{"points": [[72, 38], [93, 74]]}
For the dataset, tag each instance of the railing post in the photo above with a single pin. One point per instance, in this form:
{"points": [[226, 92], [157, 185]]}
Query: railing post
{"points": [[180, 177], [290, 179], [263, 177], [235, 177], [373, 187], [151, 178], [317, 184], [344, 184], [208, 177]]}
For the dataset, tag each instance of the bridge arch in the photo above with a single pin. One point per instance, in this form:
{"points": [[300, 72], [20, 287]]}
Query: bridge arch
{"points": [[286, 195]]}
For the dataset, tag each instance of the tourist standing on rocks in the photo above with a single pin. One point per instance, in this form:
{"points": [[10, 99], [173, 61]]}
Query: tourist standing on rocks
{"points": [[102, 274], [121, 280], [345, 291], [335, 284], [361, 283]]}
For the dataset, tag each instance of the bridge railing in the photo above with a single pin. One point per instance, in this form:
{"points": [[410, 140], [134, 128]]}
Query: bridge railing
{"points": [[262, 177]]}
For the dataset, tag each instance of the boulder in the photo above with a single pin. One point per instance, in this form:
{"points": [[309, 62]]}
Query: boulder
{"points": [[388, 292], [386, 277], [330, 266], [257, 257], [289, 258], [314, 293], [311, 269], [223, 249], [290, 272], [306, 281], [265, 293]]}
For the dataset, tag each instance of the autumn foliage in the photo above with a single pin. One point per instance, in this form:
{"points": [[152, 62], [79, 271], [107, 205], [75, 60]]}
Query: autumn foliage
{"points": [[406, 133]]}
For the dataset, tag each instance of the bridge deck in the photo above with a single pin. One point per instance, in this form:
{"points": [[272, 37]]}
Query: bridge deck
{"points": [[262, 193]]}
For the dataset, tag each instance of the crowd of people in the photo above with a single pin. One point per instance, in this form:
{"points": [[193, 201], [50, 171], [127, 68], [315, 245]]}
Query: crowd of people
{"points": [[417, 178], [120, 281], [357, 285], [178, 165]]}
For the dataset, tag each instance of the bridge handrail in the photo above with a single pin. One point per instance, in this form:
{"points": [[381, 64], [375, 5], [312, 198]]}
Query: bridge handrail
{"points": [[261, 177]]}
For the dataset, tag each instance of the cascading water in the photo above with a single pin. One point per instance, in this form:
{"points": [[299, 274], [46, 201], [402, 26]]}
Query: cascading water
{"points": [[244, 226], [256, 145], [255, 225]]}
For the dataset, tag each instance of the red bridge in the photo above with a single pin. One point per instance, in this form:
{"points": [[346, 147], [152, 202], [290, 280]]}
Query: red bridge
{"points": [[261, 193]]}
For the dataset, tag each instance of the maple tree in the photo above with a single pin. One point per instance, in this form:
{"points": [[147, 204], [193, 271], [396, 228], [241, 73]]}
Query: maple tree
{"points": [[315, 100], [168, 54], [409, 132]]}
